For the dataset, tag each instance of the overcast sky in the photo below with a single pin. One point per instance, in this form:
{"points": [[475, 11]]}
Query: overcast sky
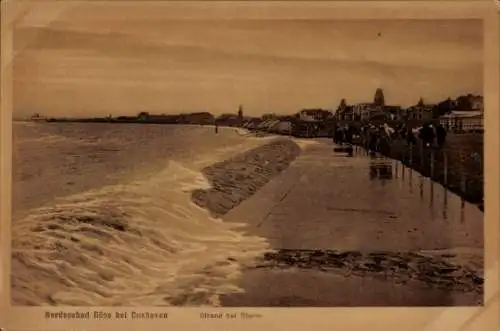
{"points": [[82, 60]]}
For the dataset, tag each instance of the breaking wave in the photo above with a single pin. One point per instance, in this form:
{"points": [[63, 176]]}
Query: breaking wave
{"points": [[136, 244]]}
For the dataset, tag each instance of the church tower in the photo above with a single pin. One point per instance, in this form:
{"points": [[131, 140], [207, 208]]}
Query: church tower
{"points": [[240, 112], [342, 106], [339, 112], [379, 99], [240, 115]]}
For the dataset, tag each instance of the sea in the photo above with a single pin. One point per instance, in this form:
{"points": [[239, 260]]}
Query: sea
{"points": [[102, 215]]}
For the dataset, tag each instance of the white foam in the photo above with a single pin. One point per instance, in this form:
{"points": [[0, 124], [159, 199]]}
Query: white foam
{"points": [[138, 243]]}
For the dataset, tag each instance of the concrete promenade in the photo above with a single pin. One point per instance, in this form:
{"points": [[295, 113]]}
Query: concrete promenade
{"points": [[328, 200]]}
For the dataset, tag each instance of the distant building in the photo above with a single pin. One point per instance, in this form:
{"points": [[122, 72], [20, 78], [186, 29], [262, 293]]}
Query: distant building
{"points": [[306, 116], [252, 123], [477, 103], [365, 111], [314, 115], [228, 120], [421, 112], [37, 117], [340, 109], [463, 121], [200, 118], [378, 109], [286, 117], [469, 102], [268, 125], [143, 116], [393, 112], [379, 99], [417, 114], [347, 114], [268, 116]]}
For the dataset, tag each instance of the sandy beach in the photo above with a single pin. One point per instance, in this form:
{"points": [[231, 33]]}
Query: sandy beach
{"points": [[337, 229]]}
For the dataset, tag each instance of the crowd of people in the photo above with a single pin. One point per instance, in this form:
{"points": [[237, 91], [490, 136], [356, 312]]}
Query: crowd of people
{"points": [[378, 138]]}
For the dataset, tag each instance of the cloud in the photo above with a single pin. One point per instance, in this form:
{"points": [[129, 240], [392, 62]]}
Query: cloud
{"points": [[269, 63]]}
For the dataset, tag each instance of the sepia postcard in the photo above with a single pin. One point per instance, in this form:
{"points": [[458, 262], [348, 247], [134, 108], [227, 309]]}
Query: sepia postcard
{"points": [[249, 164]]}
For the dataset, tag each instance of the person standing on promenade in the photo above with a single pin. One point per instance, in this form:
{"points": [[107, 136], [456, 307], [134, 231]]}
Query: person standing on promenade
{"points": [[333, 130], [426, 134], [389, 131], [372, 139], [340, 135], [440, 135], [337, 134], [362, 134], [410, 136], [400, 131], [348, 133], [383, 140]]}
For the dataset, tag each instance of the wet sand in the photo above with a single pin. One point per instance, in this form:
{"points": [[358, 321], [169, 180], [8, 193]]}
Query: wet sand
{"points": [[310, 288], [356, 231]]}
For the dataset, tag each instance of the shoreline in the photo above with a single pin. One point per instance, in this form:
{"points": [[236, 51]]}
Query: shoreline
{"points": [[240, 181], [74, 159], [236, 179], [94, 233], [443, 278]]}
